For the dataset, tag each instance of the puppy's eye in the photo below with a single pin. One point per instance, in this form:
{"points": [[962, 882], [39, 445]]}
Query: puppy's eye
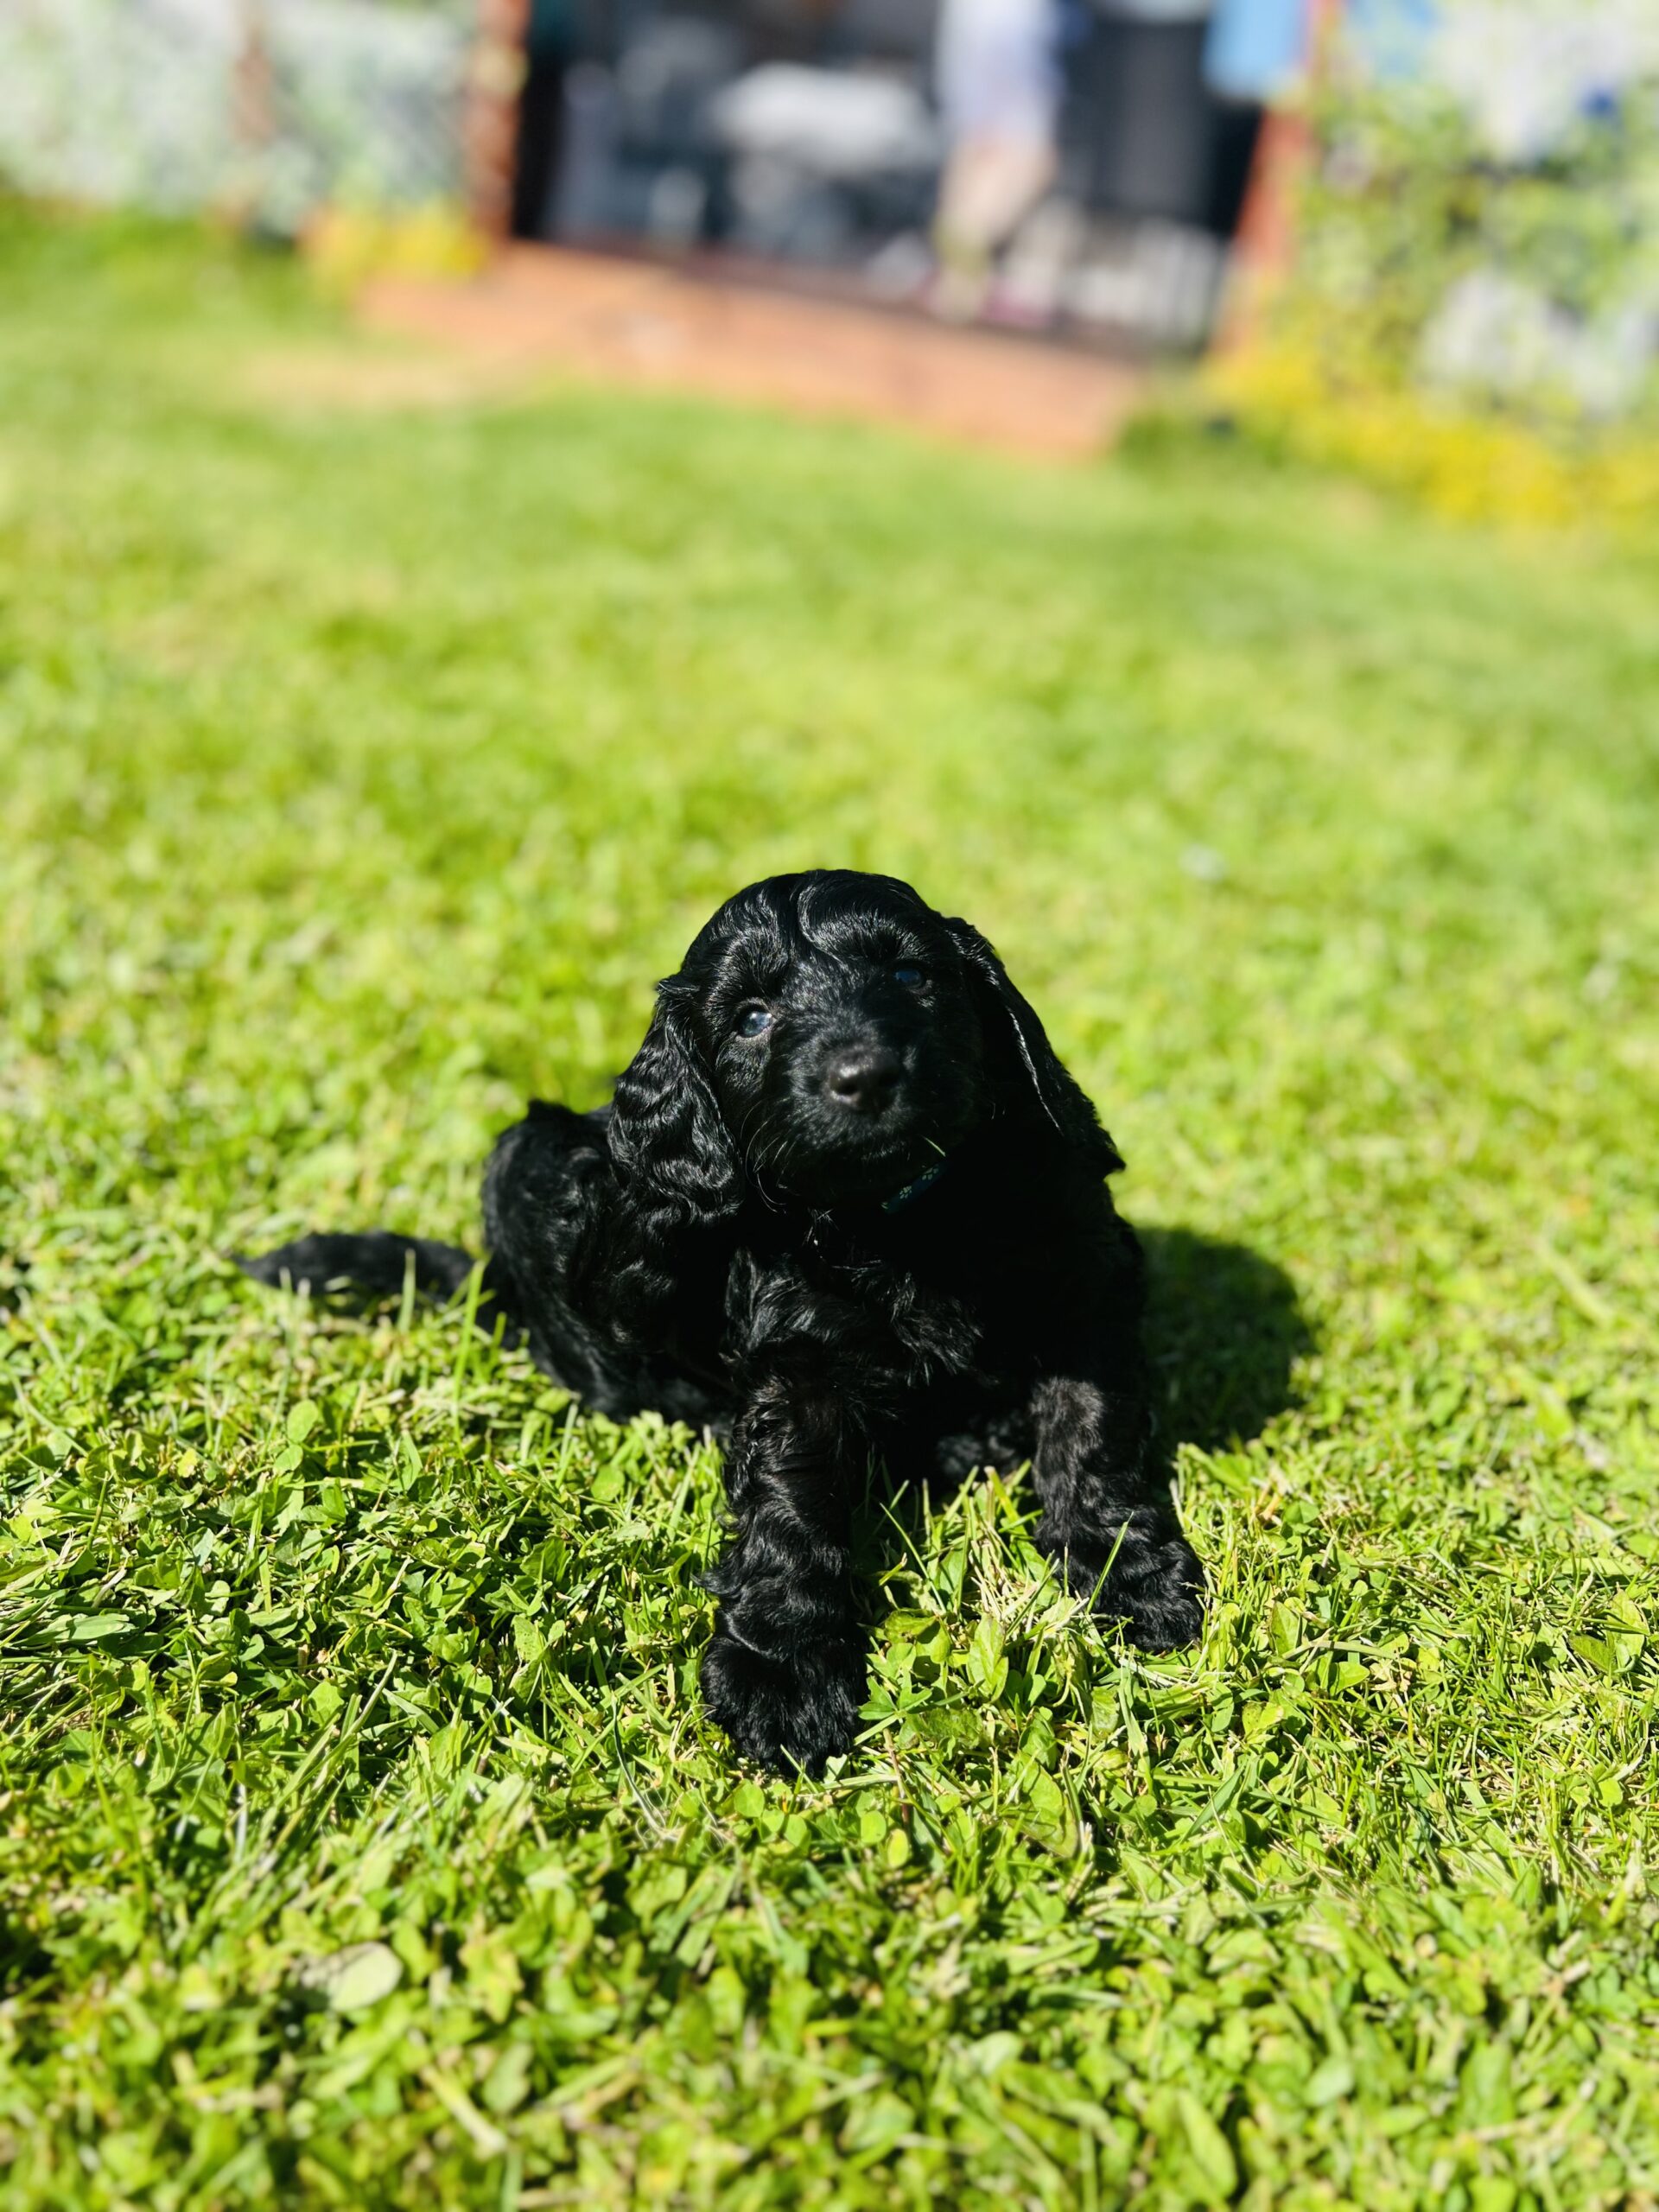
{"points": [[907, 972], [752, 1021]]}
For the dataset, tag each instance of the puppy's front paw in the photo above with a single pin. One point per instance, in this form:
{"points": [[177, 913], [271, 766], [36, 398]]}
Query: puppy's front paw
{"points": [[788, 1712], [1162, 1601], [1154, 1586]]}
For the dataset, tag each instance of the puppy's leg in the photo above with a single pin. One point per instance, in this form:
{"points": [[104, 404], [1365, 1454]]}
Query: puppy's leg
{"points": [[784, 1675], [1108, 1517]]}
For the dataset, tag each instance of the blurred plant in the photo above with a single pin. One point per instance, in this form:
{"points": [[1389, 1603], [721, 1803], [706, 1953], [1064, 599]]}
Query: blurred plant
{"points": [[1467, 463], [260, 109], [345, 243], [1476, 325]]}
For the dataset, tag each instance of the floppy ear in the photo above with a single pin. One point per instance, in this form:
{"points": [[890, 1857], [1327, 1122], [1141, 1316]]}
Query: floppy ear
{"points": [[666, 1134], [1007, 1015], [677, 1173]]}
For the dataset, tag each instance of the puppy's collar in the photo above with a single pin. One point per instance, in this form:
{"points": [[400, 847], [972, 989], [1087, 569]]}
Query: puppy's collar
{"points": [[925, 1181]]}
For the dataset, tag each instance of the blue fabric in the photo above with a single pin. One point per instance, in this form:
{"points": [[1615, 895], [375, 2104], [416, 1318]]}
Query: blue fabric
{"points": [[1256, 48]]}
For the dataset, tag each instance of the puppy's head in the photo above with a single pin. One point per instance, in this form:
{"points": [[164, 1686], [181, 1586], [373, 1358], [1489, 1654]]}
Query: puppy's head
{"points": [[828, 1038], [845, 1048]]}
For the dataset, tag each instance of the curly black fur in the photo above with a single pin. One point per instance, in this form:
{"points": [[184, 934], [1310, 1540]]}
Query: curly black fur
{"points": [[846, 1206]]}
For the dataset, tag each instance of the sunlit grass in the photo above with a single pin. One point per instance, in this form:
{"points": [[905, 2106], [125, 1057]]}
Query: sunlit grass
{"points": [[361, 770]]}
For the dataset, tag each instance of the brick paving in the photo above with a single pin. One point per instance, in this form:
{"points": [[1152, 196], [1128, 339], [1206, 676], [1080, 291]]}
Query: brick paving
{"points": [[618, 320]]}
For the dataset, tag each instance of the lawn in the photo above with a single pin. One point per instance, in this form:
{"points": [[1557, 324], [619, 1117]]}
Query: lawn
{"points": [[363, 1843]]}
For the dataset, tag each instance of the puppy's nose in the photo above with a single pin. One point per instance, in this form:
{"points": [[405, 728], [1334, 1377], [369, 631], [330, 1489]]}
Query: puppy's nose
{"points": [[864, 1077]]}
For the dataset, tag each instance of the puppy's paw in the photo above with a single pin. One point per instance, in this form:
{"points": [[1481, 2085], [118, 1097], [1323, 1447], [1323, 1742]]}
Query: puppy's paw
{"points": [[1163, 1604], [789, 1712], [1154, 1586]]}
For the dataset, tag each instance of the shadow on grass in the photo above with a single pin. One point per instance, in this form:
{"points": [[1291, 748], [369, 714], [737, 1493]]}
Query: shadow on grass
{"points": [[1223, 1332]]}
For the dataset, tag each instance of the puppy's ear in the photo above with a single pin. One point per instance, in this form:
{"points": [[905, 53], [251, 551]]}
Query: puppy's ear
{"points": [[667, 1137], [1010, 1019], [677, 1176]]}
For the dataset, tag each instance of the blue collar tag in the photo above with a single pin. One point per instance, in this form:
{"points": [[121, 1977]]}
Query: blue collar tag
{"points": [[925, 1181]]}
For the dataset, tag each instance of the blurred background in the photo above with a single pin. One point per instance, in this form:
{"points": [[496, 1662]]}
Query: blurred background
{"points": [[1373, 219]]}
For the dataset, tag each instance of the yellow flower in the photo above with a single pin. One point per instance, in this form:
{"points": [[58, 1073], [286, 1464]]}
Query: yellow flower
{"points": [[1468, 466]]}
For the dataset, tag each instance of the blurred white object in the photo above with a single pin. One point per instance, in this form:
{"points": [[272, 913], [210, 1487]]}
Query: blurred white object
{"points": [[833, 123], [369, 101], [1525, 70], [997, 68], [104, 101], [1155, 281], [1041, 255], [1495, 335]]}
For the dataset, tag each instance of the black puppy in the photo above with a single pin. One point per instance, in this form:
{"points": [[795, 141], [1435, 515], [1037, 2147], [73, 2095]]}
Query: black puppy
{"points": [[845, 1205]]}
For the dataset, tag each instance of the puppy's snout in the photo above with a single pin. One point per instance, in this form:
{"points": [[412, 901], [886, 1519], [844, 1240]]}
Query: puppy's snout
{"points": [[864, 1078]]}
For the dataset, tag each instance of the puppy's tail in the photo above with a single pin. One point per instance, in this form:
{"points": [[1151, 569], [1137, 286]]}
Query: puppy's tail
{"points": [[375, 1263]]}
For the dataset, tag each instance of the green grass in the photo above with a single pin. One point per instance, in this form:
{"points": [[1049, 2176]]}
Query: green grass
{"points": [[361, 770]]}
